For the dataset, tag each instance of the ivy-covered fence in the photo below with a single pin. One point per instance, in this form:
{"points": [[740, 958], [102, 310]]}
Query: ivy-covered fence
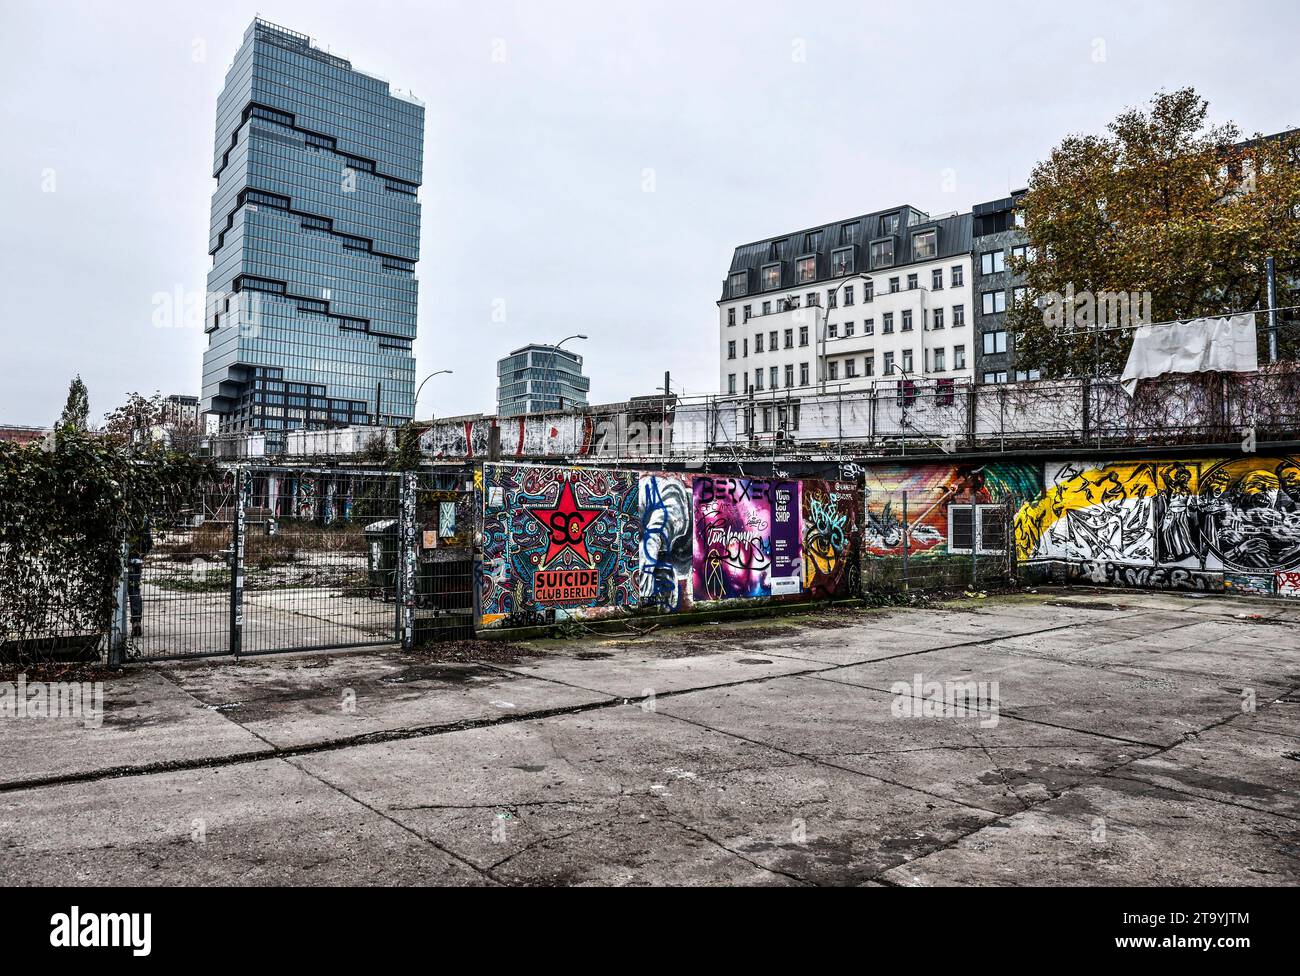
{"points": [[66, 509]]}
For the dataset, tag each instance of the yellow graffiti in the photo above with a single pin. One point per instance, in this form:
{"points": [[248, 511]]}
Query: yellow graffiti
{"points": [[1082, 487]]}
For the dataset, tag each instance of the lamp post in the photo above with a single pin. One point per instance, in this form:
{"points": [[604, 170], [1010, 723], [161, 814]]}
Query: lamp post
{"points": [[421, 387], [554, 352]]}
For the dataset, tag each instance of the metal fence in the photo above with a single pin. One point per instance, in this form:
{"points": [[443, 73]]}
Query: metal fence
{"points": [[273, 559], [913, 541]]}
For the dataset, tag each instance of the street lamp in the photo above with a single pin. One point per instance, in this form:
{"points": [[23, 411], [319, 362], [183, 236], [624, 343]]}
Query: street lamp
{"points": [[421, 387], [554, 351]]}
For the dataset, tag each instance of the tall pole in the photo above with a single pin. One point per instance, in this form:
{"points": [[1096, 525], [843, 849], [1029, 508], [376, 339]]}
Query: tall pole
{"points": [[1272, 310], [555, 351]]}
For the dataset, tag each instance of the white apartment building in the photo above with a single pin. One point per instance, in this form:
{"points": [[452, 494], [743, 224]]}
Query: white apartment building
{"points": [[882, 297]]}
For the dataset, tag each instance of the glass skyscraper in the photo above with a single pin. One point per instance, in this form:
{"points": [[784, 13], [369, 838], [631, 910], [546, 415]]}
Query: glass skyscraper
{"points": [[311, 306], [539, 377]]}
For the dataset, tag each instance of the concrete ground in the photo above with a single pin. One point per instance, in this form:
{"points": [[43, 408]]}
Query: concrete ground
{"points": [[1132, 739]]}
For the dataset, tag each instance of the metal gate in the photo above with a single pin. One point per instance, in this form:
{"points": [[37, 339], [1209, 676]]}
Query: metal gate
{"points": [[277, 559]]}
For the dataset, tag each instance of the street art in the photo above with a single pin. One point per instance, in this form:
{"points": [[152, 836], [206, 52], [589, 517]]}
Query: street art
{"points": [[829, 514], [560, 538], [1288, 583], [746, 538], [929, 490], [1237, 515], [1144, 577], [666, 537]]}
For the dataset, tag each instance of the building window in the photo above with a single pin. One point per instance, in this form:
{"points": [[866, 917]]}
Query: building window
{"points": [[771, 277], [850, 369], [889, 224], [744, 348], [803, 374], [731, 316], [882, 253], [789, 375], [803, 335], [758, 378], [832, 330], [893, 285], [994, 302], [788, 336], [731, 349], [888, 364], [936, 279], [887, 323], [985, 523], [907, 320], [767, 308], [993, 378], [1023, 375], [925, 245], [842, 262], [868, 327], [848, 295], [992, 262], [912, 283], [907, 360], [1020, 251], [832, 296], [848, 329], [869, 365], [758, 343], [812, 298], [834, 370], [848, 233], [937, 319], [958, 357], [767, 419], [738, 285], [956, 276], [958, 316], [748, 312], [995, 342], [731, 382], [940, 362], [771, 341], [772, 377], [805, 269]]}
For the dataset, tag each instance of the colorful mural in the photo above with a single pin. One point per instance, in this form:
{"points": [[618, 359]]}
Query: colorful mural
{"points": [[1240, 514], [556, 538], [930, 489], [666, 537], [740, 524], [830, 535]]}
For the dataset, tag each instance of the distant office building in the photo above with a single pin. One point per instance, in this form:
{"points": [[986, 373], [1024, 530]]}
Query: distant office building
{"points": [[181, 409], [540, 377], [314, 239], [997, 238]]}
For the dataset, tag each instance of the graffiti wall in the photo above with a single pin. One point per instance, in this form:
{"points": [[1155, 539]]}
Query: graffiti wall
{"points": [[563, 542], [929, 491], [1230, 523]]}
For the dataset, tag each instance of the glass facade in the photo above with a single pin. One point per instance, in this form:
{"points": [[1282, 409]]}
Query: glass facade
{"points": [[311, 309], [537, 378]]}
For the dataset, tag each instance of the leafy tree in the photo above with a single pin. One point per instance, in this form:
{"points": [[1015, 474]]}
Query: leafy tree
{"points": [[1160, 204], [145, 419], [76, 410]]}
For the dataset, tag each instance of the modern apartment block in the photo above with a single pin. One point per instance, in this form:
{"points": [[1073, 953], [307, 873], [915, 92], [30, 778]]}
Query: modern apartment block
{"points": [[883, 296], [997, 238], [539, 377], [315, 235]]}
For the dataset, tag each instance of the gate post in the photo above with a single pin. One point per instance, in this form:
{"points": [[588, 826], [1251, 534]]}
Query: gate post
{"points": [[237, 562], [406, 552], [117, 636]]}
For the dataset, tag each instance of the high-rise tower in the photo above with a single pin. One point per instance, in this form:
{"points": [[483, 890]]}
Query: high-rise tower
{"points": [[311, 308]]}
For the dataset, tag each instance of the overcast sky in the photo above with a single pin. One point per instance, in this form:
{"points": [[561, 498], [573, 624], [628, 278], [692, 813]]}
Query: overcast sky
{"points": [[593, 176]]}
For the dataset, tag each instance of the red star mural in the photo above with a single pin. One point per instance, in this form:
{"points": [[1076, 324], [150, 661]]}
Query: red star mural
{"points": [[567, 526]]}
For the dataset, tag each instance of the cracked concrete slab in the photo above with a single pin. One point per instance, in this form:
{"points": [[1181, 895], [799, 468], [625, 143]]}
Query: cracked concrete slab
{"points": [[260, 823], [300, 701], [146, 718], [1000, 768], [1120, 832]]}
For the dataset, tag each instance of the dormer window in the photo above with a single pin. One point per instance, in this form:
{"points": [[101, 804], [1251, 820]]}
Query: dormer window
{"points": [[889, 224], [812, 241], [738, 284], [842, 262], [805, 269], [882, 253], [771, 276], [925, 245], [848, 234]]}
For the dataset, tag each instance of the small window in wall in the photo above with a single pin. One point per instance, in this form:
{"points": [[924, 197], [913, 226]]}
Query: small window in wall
{"points": [[987, 523]]}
